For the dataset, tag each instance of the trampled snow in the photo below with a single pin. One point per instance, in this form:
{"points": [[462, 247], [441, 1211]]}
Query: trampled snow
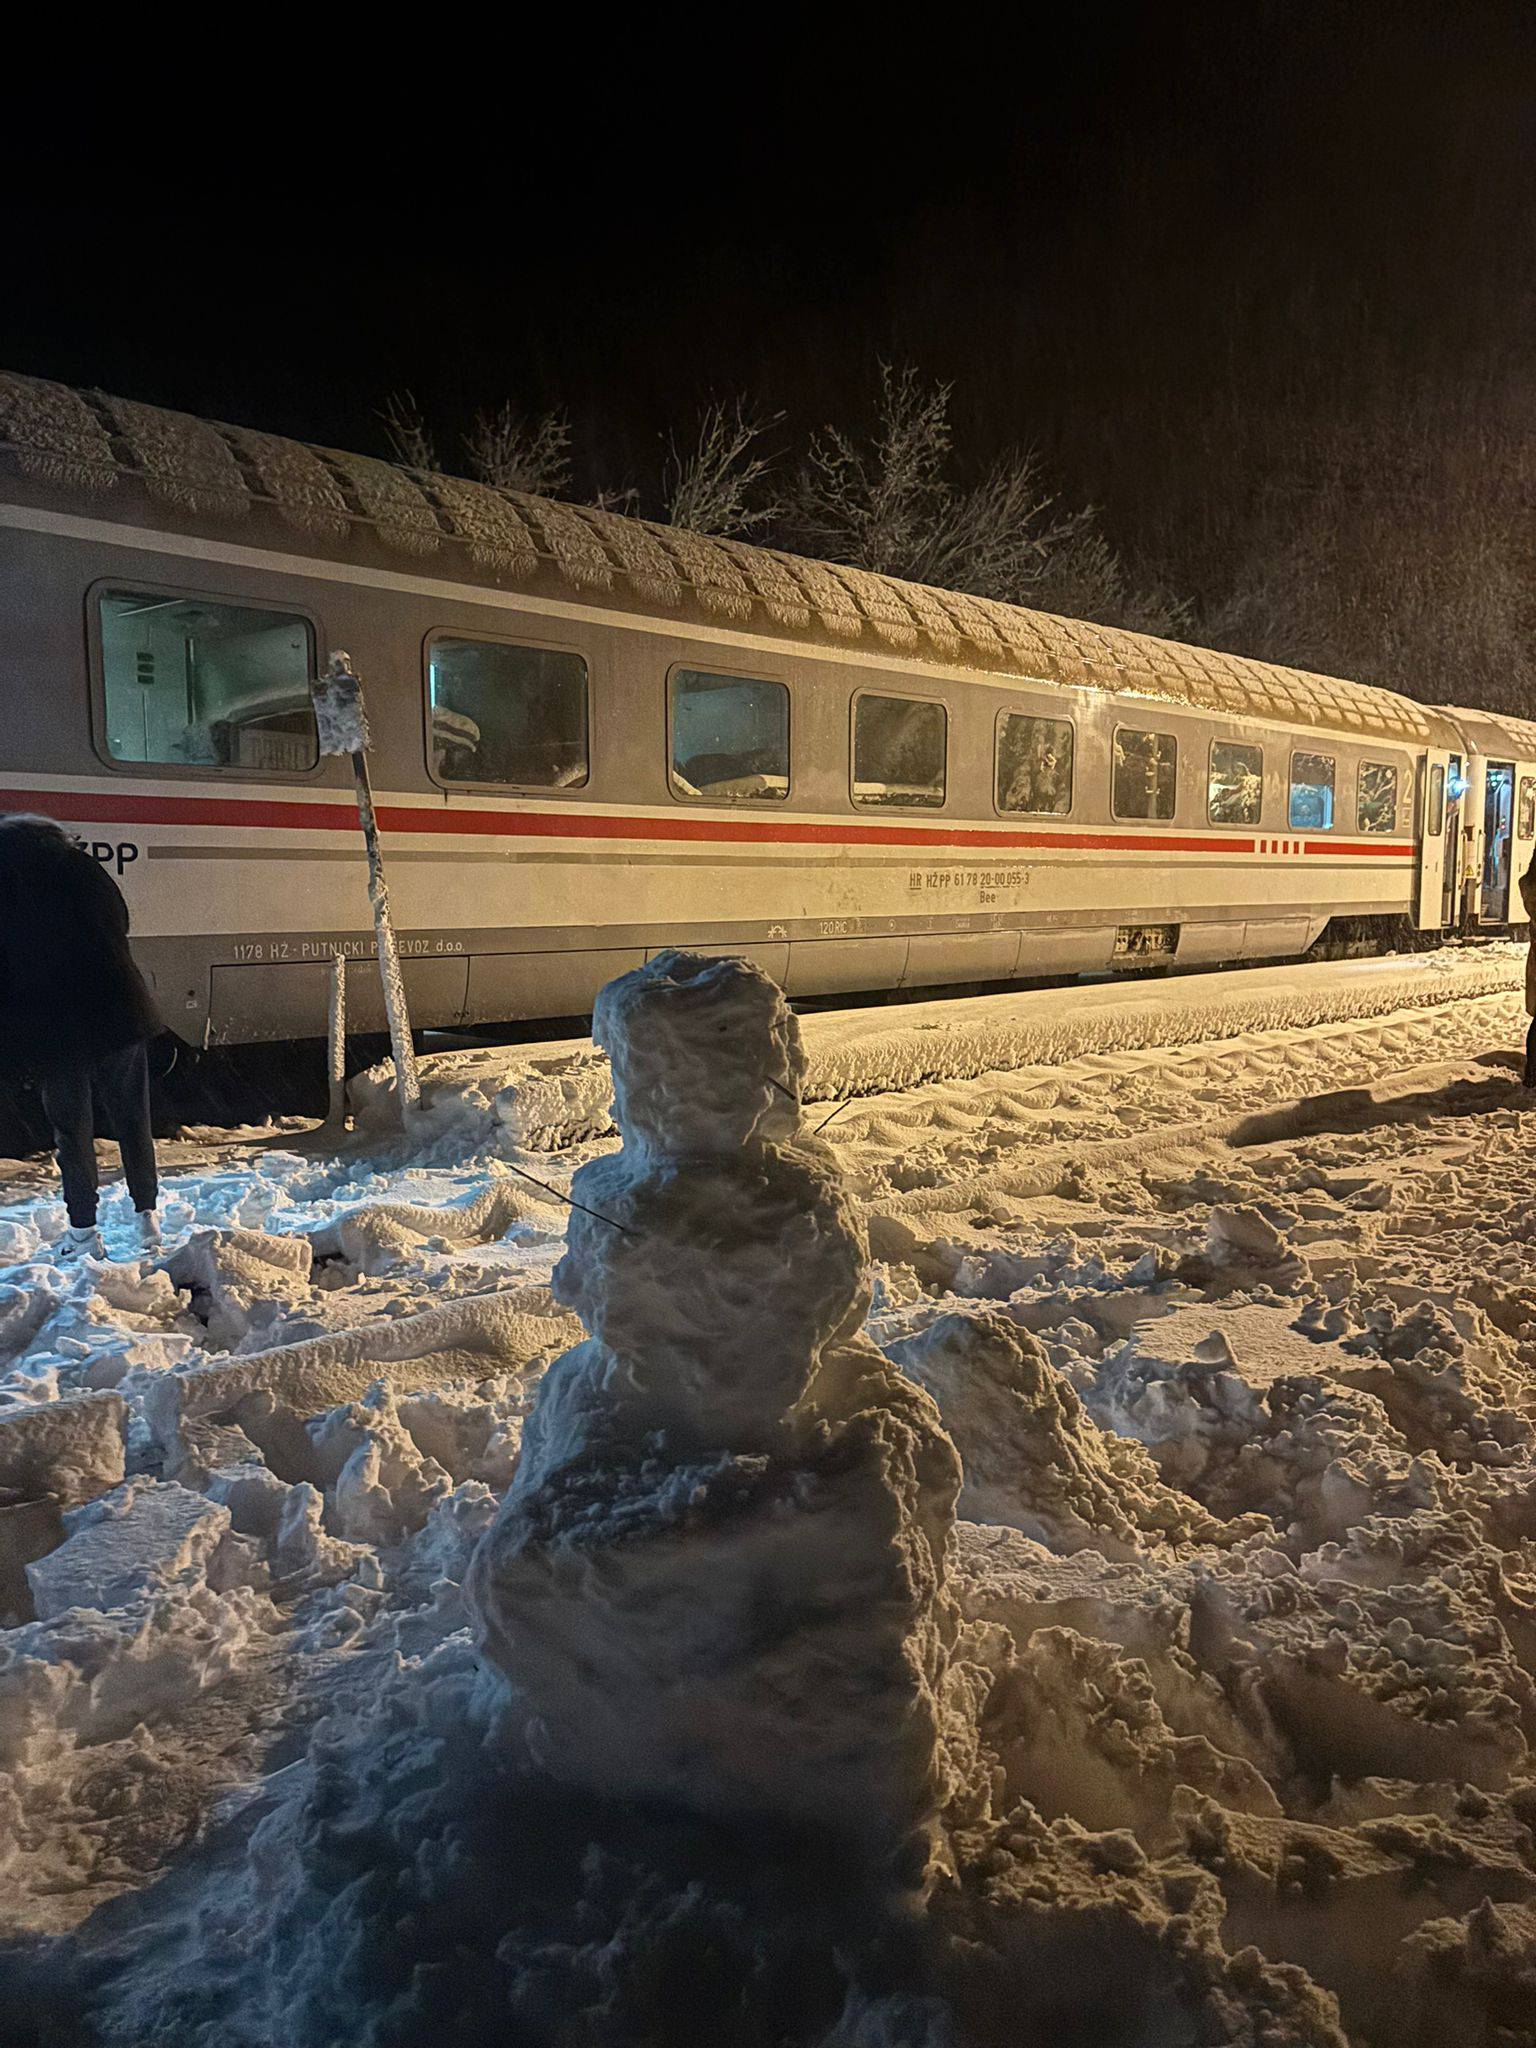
{"points": [[1217, 1701]]}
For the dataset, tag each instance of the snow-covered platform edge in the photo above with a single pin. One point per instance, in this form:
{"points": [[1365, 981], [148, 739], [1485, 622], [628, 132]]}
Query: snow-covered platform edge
{"points": [[545, 1097]]}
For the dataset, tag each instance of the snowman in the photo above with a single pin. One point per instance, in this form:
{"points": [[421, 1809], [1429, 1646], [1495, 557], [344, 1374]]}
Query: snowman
{"points": [[718, 1577]]}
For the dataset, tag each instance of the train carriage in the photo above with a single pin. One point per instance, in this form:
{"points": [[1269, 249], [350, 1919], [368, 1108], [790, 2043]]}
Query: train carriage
{"points": [[1496, 777], [594, 737]]}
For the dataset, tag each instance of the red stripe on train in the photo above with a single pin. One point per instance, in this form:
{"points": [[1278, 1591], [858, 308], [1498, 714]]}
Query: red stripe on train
{"points": [[119, 807]]}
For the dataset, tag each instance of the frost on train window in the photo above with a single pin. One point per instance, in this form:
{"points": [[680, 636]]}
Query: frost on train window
{"points": [[1146, 778], [194, 682], [1311, 806], [1377, 807], [513, 716], [1034, 765], [1527, 820], [1235, 791], [730, 738], [898, 750], [1436, 801]]}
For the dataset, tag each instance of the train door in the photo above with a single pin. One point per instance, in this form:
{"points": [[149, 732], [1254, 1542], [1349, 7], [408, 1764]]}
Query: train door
{"points": [[1498, 832], [1434, 890], [1460, 833], [1522, 848], [1465, 791]]}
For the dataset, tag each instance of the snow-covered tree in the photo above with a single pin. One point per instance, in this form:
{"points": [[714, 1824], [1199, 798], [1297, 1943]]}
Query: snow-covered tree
{"points": [[411, 440], [888, 501], [513, 452], [1085, 578], [504, 447], [715, 485], [881, 501], [1393, 542], [886, 498]]}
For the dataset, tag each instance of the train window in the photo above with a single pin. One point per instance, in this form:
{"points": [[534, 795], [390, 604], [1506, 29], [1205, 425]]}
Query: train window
{"points": [[730, 738], [1311, 807], [899, 747], [198, 683], [1235, 791], [1146, 778], [1376, 808], [505, 714], [1436, 800], [1527, 824], [1034, 764]]}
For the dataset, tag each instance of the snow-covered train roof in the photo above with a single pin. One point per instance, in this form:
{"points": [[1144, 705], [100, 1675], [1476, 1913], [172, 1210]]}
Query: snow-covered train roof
{"points": [[86, 441], [1494, 733]]}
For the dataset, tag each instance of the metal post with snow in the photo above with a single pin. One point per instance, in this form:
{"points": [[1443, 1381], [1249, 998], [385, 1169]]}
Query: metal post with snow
{"points": [[336, 1047], [343, 728]]}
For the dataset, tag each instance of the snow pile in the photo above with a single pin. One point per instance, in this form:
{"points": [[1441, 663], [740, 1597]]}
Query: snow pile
{"points": [[1420, 1679], [239, 1281], [149, 1602], [1226, 1424], [1346, 1902], [377, 1236], [87, 1326], [1078, 1728], [862, 1053], [72, 1449], [1214, 1721], [550, 1097], [557, 1101], [1031, 1457], [475, 1337], [718, 1575], [514, 1098]]}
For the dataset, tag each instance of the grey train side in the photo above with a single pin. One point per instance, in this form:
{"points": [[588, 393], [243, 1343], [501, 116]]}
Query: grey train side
{"points": [[520, 901]]}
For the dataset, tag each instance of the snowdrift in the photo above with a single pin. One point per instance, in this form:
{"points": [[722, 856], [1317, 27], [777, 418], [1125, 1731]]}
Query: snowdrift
{"points": [[1108, 1614]]}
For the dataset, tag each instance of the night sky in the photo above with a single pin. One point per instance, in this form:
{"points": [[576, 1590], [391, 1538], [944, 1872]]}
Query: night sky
{"points": [[1088, 224]]}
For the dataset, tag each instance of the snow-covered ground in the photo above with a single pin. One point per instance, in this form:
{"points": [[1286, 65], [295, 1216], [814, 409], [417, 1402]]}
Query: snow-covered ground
{"points": [[1225, 1288]]}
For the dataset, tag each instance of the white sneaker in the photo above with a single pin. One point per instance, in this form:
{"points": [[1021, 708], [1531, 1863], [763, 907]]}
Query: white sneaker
{"points": [[147, 1226], [82, 1241]]}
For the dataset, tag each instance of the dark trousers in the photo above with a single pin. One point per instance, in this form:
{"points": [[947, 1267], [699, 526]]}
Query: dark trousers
{"points": [[123, 1080], [1530, 1055]]}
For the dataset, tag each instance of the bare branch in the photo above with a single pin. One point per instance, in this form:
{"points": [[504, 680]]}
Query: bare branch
{"points": [[887, 503], [876, 504], [410, 438], [712, 488], [515, 453], [621, 498]]}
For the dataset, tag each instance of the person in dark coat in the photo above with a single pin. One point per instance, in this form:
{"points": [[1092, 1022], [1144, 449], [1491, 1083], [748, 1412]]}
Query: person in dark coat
{"points": [[75, 1014]]}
